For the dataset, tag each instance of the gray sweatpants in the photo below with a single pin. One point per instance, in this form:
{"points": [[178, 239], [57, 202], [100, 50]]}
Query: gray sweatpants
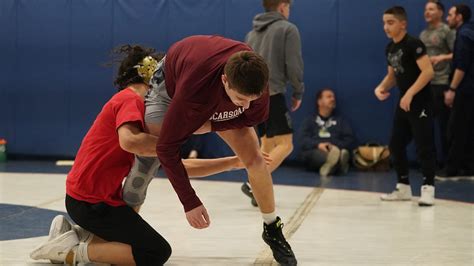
{"points": [[145, 168]]}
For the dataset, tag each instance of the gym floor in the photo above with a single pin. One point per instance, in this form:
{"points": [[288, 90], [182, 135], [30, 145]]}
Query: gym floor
{"points": [[335, 220]]}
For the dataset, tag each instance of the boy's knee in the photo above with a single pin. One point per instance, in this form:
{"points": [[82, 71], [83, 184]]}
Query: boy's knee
{"points": [[161, 253], [156, 253], [166, 253], [286, 143]]}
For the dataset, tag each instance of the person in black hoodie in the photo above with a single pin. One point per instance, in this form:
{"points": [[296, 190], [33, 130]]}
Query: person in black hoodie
{"points": [[460, 96], [326, 137], [278, 41]]}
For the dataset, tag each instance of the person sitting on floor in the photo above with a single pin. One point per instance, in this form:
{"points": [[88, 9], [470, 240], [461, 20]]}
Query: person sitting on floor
{"points": [[326, 137]]}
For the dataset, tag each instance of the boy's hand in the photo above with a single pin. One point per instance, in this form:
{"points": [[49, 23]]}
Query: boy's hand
{"points": [[381, 94]]}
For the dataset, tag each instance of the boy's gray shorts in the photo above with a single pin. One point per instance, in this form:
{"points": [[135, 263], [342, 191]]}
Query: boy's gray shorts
{"points": [[157, 100]]}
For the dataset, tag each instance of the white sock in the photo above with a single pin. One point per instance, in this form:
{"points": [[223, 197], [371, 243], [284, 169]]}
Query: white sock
{"points": [[248, 184], [80, 253], [269, 218]]}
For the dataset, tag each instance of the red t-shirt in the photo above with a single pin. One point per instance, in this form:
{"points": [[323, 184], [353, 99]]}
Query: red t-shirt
{"points": [[193, 72], [101, 165]]}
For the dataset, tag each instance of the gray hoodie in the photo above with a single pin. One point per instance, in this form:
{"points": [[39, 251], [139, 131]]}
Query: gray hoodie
{"points": [[278, 41]]}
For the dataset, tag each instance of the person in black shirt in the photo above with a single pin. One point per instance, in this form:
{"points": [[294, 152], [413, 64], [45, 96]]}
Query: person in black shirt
{"points": [[460, 96], [409, 68]]}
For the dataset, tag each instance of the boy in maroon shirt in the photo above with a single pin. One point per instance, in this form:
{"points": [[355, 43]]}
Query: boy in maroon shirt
{"points": [[209, 83]]}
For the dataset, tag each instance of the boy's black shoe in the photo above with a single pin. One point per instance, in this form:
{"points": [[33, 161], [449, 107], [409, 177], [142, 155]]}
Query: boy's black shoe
{"points": [[446, 173], [247, 190], [273, 236]]}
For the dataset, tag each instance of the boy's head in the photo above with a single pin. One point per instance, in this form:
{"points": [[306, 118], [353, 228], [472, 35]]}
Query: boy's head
{"points": [[245, 77], [395, 21], [281, 6]]}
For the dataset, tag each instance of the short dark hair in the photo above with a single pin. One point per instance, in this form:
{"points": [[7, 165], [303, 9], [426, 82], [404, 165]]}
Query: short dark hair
{"points": [[464, 11], [247, 73], [438, 3], [129, 56], [271, 5], [319, 94], [398, 12]]}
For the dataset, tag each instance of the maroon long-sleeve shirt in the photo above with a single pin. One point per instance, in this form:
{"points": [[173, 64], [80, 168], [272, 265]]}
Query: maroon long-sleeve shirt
{"points": [[193, 70]]}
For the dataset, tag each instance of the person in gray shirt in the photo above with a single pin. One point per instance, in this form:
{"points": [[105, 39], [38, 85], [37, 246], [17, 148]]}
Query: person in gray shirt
{"points": [[439, 41], [278, 41]]}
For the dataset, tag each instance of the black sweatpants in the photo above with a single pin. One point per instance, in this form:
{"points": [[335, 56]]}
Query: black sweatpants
{"points": [[441, 114], [121, 224], [461, 133], [417, 124]]}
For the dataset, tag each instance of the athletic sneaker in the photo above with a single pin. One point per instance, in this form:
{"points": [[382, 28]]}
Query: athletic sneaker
{"points": [[427, 196], [273, 236], [331, 161], [61, 225], [401, 192], [247, 190], [57, 248], [344, 161]]}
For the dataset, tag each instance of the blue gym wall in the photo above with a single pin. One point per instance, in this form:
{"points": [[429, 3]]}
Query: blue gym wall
{"points": [[53, 82]]}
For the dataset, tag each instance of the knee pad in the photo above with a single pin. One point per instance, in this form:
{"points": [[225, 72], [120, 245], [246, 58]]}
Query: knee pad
{"points": [[137, 181]]}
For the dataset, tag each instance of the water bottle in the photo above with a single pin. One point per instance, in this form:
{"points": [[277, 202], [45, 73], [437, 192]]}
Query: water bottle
{"points": [[3, 150]]}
